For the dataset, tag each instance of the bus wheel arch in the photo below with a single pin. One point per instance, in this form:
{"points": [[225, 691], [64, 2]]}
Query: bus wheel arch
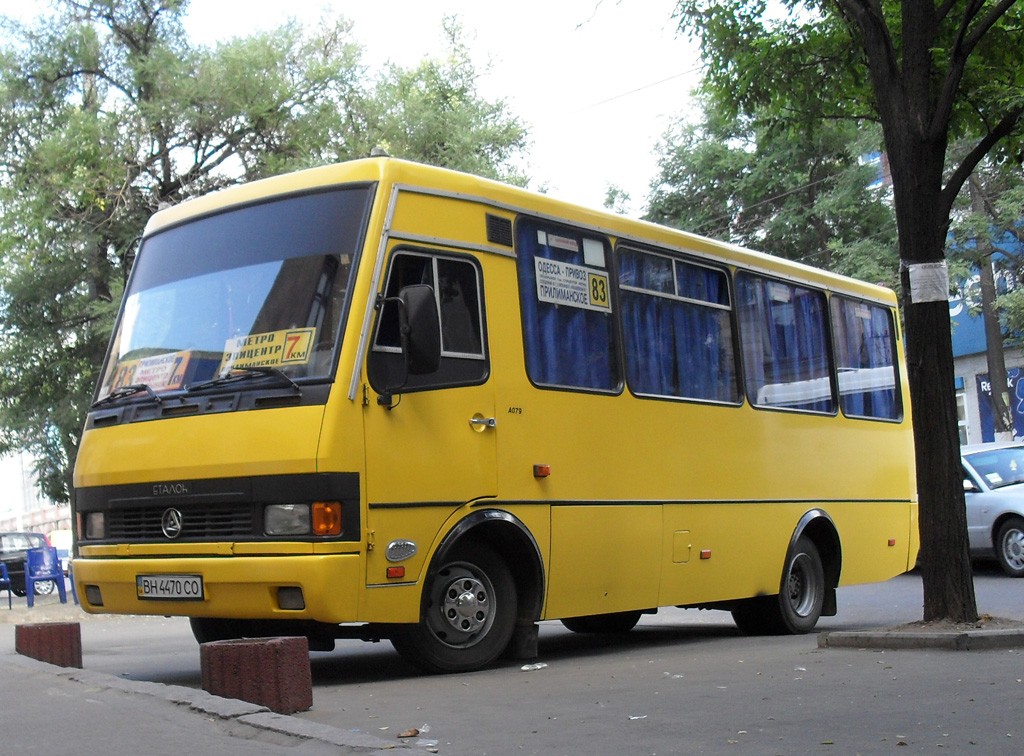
{"points": [[819, 528], [807, 588], [481, 597]]}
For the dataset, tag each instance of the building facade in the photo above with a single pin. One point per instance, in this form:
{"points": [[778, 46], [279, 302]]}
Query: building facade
{"points": [[970, 364]]}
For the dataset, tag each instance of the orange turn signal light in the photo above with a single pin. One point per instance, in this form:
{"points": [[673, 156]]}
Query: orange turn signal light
{"points": [[326, 518], [541, 471], [396, 572]]}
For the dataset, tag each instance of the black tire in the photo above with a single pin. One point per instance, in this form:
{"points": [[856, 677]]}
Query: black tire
{"points": [[754, 616], [210, 629], [1010, 547], [619, 622], [467, 614], [797, 607]]}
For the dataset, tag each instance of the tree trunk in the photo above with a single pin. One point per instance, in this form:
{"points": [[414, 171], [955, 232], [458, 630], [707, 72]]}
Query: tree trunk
{"points": [[1002, 418], [945, 560]]}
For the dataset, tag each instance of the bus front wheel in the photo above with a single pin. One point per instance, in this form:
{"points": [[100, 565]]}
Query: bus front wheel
{"points": [[797, 607], [208, 629], [467, 615]]}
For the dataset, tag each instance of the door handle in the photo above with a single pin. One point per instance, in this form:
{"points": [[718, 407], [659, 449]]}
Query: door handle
{"points": [[479, 422]]}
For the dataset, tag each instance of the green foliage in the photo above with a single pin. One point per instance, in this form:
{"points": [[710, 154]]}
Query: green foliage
{"points": [[988, 219], [953, 73], [433, 114], [803, 195], [616, 199], [763, 57], [108, 112]]}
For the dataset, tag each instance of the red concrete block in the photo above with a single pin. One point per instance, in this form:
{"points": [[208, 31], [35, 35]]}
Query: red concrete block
{"points": [[271, 672], [57, 643]]}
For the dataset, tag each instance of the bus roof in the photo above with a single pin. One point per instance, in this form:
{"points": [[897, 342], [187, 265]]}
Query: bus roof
{"points": [[392, 171]]}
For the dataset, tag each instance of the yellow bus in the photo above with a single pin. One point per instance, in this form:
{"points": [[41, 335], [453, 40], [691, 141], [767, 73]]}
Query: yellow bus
{"points": [[385, 400]]}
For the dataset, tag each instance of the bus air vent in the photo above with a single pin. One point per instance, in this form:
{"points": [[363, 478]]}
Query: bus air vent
{"points": [[499, 230]]}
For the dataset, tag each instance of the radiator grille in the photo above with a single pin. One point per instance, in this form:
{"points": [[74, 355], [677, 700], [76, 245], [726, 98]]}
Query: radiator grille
{"points": [[213, 521]]}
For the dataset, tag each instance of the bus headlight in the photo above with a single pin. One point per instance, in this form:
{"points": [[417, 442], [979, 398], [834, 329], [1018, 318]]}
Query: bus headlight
{"points": [[95, 525], [286, 519]]}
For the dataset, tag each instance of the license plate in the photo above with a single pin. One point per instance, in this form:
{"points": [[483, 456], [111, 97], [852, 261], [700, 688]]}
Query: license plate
{"points": [[169, 587]]}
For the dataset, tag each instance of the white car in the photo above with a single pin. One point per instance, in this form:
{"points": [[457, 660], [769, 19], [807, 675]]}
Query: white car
{"points": [[994, 491]]}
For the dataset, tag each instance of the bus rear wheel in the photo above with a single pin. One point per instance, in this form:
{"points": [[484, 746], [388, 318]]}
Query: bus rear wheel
{"points": [[797, 607], [619, 622], [467, 615]]}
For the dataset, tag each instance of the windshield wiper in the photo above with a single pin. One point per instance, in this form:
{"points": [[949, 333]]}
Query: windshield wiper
{"points": [[126, 391], [243, 374]]}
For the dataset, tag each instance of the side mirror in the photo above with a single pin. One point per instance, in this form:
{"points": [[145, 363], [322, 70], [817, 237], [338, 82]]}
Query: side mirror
{"points": [[420, 329], [969, 486]]}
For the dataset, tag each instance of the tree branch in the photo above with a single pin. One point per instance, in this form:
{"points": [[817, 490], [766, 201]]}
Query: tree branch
{"points": [[967, 39], [75, 72], [975, 156], [867, 16], [990, 19]]}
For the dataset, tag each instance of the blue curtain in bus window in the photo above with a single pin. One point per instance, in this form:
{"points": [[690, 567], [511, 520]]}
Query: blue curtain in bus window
{"points": [[865, 363], [673, 347], [785, 345], [708, 364], [571, 343]]}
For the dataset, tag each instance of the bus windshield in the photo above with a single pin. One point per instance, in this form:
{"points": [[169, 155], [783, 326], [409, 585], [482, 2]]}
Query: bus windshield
{"points": [[263, 287]]}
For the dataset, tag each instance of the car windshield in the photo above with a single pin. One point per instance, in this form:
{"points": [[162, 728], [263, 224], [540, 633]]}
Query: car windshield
{"points": [[999, 467], [19, 542], [259, 288]]}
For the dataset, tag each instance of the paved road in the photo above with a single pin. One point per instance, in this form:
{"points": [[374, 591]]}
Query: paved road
{"points": [[681, 682]]}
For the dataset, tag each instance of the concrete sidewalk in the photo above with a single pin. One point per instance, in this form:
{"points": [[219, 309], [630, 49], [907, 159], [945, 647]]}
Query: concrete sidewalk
{"points": [[988, 633], [81, 712], [55, 710]]}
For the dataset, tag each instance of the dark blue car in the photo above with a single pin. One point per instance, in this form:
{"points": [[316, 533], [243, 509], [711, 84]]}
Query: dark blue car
{"points": [[13, 552]]}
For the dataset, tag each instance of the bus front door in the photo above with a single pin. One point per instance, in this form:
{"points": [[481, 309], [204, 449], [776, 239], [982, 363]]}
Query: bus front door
{"points": [[432, 446], [425, 458]]}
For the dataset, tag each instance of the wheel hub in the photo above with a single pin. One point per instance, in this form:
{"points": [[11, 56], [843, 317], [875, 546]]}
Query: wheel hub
{"points": [[1013, 548], [465, 605], [802, 591]]}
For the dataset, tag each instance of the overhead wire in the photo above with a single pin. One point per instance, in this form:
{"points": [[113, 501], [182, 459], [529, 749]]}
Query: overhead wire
{"points": [[627, 93]]}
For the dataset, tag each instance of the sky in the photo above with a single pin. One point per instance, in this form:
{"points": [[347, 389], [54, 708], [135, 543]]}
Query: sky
{"points": [[596, 82]]}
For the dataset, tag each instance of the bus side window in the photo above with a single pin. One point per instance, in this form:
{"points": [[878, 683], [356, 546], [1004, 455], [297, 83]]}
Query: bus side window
{"points": [[676, 318], [785, 340], [460, 308], [456, 283], [565, 295], [865, 359]]}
